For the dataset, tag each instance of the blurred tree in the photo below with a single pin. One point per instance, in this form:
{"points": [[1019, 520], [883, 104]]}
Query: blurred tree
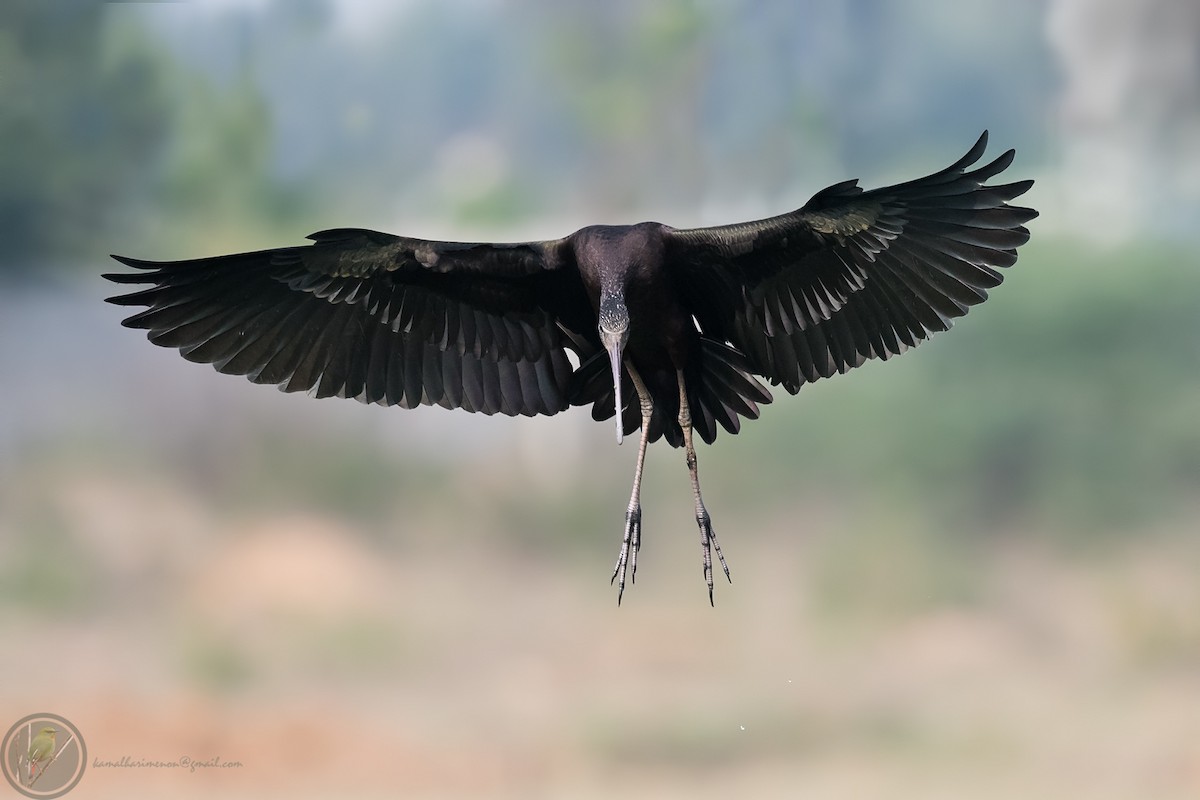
{"points": [[102, 125], [82, 127]]}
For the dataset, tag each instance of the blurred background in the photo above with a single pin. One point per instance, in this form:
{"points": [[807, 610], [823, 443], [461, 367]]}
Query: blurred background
{"points": [[970, 572]]}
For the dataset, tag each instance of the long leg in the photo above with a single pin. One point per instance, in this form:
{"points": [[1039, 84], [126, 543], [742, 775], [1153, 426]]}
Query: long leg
{"points": [[708, 538], [631, 541]]}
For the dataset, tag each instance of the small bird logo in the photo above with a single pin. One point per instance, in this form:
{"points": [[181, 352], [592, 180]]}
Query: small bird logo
{"points": [[43, 755], [41, 751]]}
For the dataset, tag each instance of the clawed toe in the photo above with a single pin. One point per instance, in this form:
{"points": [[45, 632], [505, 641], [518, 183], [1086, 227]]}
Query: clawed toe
{"points": [[631, 542], [709, 544]]}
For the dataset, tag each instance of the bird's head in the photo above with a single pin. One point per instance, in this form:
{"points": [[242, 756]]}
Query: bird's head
{"points": [[614, 333]]}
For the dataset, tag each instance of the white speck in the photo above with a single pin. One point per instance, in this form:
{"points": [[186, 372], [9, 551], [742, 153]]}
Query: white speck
{"points": [[743, 727]]}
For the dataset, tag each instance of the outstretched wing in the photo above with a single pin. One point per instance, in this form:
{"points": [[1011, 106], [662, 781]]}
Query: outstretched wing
{"points": [[853, 275], [381, 318]]}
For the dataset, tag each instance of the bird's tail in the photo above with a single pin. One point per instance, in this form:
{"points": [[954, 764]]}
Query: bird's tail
{"points": [[721, 390]]}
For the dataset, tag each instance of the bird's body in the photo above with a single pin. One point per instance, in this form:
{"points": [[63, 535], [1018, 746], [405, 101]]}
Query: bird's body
{"points": [[681, 320], [41, 750], [628, 263]]}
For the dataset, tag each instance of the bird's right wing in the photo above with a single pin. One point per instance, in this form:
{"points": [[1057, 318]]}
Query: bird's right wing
{"points": [[385, 319], [853, 275]]}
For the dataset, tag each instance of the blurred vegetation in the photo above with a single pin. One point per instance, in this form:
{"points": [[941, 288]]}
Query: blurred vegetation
{"points": [[106, 135], [82, 128]]}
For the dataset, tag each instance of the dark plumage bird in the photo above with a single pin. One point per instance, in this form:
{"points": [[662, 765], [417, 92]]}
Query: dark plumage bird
{"points": [[669, 327]]}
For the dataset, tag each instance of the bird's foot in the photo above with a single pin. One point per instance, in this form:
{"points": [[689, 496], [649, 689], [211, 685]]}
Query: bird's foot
{"points": [[631, 542], [709, 543]]}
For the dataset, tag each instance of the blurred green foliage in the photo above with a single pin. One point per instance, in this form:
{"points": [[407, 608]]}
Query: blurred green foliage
{"points": [[79, 126], [104, 131]]}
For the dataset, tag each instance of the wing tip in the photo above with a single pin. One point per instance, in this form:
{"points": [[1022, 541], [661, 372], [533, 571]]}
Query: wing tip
{"points": [[136, 263], [131, 299], [975, 153], [1018, 188], [128, 277], [1000, 163]]}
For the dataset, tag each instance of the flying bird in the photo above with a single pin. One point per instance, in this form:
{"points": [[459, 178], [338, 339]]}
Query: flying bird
{"points": [[670, 328]]}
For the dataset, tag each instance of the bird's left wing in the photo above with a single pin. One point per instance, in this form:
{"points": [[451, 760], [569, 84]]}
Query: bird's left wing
{"points": [[382, 318], [853, 275]]}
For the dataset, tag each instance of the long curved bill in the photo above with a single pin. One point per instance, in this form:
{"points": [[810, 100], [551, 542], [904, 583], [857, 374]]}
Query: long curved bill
{"points": [[614, 355]]}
